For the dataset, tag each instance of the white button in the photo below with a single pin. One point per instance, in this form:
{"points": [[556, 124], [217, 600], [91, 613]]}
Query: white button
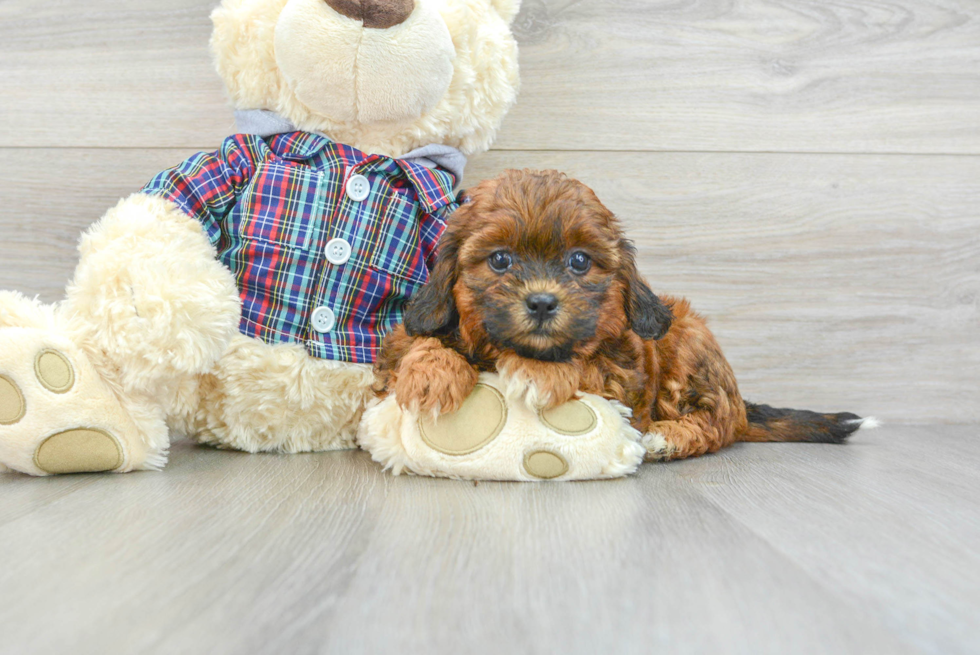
{"points": [[338, 251], [358, 188], [323, 319]]}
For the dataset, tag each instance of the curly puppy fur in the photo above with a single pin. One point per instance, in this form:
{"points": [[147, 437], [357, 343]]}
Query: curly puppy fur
{"points": [[535, 280]]}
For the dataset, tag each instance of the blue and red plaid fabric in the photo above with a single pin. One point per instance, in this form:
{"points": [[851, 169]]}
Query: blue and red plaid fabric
{"points": [[271, 205]]}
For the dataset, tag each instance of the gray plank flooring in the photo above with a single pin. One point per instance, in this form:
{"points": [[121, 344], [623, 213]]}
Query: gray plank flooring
{"points": [[864, 548]]}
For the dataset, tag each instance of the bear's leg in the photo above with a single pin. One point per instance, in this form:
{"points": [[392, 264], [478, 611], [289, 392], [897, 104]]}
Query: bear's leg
{"points": [[150, 294], [274, 398], [85, 385], [60, 409]]}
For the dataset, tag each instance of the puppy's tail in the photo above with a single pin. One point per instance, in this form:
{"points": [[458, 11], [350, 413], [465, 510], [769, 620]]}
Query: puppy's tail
{"points": [[771, 424]]}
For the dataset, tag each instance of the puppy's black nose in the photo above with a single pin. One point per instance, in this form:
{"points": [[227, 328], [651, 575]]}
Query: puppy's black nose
{"points": [[542, 306]]}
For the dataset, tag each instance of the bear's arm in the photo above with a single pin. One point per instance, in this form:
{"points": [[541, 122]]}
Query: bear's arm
{"points": [[206, 186]]}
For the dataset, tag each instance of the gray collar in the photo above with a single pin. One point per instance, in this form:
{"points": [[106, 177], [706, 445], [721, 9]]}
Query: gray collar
{"points": [[264, 123]]}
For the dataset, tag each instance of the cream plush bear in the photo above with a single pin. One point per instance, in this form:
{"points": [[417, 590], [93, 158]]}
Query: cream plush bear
{"points": [[241, 297]]}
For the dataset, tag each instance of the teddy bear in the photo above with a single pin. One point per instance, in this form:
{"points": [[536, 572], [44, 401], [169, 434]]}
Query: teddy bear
{"points": [[241, 297]]}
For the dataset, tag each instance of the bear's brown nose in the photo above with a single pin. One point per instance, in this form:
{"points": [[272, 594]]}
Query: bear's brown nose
{"points": [[380, 14]]}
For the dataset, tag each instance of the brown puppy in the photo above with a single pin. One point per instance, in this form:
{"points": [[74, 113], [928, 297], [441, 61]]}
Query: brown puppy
{"points": [[534, 279]]}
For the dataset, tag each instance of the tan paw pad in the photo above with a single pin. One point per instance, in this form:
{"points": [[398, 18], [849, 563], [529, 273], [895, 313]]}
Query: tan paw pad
{"points": [[573, 419], [54, 371], [545, 464], [478, 422], [12, 405], [79, 451]]}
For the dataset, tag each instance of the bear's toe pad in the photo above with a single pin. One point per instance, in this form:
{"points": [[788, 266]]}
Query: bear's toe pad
{"points": [[12, 407], [79, 451]]}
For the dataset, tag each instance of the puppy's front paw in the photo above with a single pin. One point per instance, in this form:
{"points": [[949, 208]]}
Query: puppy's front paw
{"points": [[433, 378], [541, 384]]}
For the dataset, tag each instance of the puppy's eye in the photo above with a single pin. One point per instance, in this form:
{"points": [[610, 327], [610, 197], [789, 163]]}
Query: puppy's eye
{"points": [[500, 261], [579, 262]]}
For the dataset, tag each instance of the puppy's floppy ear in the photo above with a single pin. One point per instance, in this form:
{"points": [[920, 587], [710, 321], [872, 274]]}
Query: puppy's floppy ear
{"points": [[433, 308], [648, 316]]}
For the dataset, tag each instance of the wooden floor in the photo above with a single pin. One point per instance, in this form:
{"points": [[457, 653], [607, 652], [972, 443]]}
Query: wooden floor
{"points": [[807, 172], [866, 548]]}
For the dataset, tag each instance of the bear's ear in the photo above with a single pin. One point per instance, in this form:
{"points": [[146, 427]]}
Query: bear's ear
{"points": [[508, 9], [243, 50]]}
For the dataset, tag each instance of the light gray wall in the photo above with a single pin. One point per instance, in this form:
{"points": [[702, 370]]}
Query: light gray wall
{"points": [[807, 173]]}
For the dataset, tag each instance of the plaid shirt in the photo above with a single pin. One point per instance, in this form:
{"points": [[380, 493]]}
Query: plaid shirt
{"points": [[270, 206]]}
